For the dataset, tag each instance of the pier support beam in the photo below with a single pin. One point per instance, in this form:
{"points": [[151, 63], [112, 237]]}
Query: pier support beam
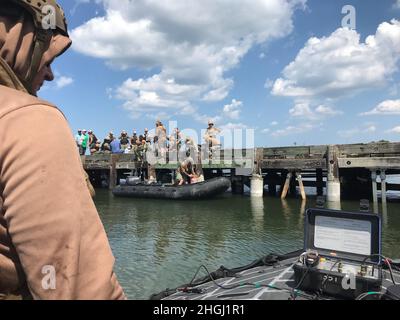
{"points": [[320, 183], [257, 186], [113, 172], [301, 186], [333, 183], [383, 187], [286, 186], [374, 190]]}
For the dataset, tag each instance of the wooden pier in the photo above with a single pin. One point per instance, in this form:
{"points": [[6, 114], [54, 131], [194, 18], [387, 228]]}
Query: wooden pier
{"points": [[356, 171]]}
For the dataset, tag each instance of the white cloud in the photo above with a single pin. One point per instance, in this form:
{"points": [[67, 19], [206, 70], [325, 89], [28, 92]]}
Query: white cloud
{"points": [[388, 107], [63, 81], [394, 130], [339, 65], [193, 44], [301, 110], [232, 111], [274, 123], [331, 68], [304, 111], [323, 110], [267, 130], [152, 94], [397, 4]]}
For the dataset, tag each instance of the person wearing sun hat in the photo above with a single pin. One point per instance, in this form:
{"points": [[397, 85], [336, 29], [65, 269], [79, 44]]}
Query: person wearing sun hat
{"points": [[211, 135]]}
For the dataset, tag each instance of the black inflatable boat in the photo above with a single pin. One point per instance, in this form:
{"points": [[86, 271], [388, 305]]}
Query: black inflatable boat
{"points": [[203, 190]]}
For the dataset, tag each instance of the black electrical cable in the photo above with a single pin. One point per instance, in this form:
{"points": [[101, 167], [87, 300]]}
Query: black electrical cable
{"points": [[386, 261], [293, 293], [238, 285]]}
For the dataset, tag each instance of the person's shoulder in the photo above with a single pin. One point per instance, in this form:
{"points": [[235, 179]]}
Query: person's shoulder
{"points": [[12, 100]]}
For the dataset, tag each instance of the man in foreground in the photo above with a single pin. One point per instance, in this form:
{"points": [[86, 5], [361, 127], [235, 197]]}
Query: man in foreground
{"points": [[52, 242]]}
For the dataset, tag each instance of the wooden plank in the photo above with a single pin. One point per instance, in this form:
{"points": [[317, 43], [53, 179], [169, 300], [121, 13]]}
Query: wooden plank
{"points": [[221, 165], [166, 166], [369, 149], [286, 151], [370, 163], [295, 152], [293, 164], [98, 157], [97, 166], [128, 165], [126, 158]]}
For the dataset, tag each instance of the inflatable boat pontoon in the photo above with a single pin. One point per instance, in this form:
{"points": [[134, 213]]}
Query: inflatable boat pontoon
{"points": [[203, 190]]}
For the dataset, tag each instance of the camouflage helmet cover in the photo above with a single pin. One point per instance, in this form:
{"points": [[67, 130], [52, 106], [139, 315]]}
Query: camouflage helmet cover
{"points": [[39, 9]]}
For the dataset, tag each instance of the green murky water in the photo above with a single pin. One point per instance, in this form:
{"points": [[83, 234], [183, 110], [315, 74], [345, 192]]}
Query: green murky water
{"points": [[160, 244]]}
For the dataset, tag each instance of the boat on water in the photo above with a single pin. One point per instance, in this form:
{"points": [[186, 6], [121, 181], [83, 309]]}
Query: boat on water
{"points": [[341, 259], [269, 278], [203, 190]]}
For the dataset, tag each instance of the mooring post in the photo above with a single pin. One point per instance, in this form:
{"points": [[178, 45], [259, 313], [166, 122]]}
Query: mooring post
{"points": [[286, 186], [374, 190], [333, 182], [301, 186], [383, 187]]}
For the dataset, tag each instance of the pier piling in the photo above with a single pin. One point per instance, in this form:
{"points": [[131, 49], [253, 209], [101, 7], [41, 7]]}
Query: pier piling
{"points": [[374, 190], [333, 182], [383, 187], [257, 186]]}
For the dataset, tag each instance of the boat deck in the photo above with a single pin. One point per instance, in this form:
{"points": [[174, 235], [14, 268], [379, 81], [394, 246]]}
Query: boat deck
{"points": [[261, 283]]}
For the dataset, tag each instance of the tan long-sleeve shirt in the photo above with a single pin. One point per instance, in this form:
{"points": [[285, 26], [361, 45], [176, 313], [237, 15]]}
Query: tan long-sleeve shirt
{"points": [[51, 238]]}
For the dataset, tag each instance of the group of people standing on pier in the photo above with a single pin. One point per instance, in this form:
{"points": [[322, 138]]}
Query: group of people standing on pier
{"points": [[161, 143]]}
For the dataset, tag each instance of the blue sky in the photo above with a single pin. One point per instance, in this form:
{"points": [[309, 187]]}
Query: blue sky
{"points": [[285, 68]]}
